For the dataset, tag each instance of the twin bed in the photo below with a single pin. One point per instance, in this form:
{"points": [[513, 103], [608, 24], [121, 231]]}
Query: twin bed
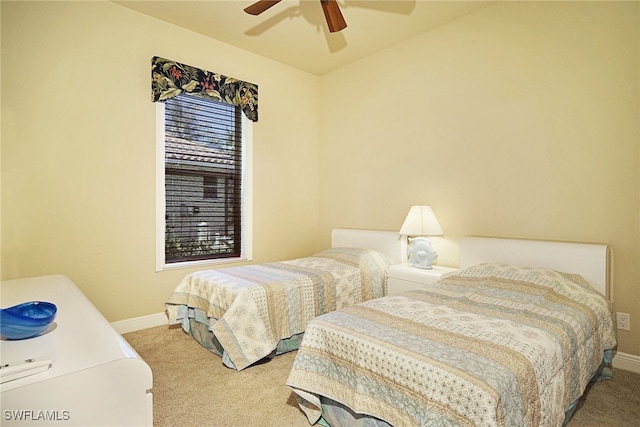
{"points": [[508, 340], [245, 314], [512, 338]]}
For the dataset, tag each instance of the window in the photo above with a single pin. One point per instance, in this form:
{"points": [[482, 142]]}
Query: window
{"points": [[210, 190], [203, 190]]}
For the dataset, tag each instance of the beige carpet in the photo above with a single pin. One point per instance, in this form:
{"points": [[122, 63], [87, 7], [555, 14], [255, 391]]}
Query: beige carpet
{"points": [[191, 387]]}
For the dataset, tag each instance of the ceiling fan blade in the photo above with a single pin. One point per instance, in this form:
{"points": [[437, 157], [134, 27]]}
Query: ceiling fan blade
{"points": [[260, 6], [332, 14]]}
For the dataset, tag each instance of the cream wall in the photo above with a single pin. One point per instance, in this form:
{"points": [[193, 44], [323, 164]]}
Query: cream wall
{"points": [[521, 120], [78, 149]]}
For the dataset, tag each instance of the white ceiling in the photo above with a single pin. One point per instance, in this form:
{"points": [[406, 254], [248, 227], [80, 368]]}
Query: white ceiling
{"points": [[294, 32]]}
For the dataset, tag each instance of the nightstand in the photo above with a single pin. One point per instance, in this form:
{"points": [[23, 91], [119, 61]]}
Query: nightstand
{"points": [[403, 277]]}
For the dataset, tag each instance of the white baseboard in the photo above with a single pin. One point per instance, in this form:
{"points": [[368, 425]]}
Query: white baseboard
{"points": [[138, 323], [626, 361]]}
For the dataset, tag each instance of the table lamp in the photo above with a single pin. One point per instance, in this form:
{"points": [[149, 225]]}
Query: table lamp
{"points": [[420, 222]]}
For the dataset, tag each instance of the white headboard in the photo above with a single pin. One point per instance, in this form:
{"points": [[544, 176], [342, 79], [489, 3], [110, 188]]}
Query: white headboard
{"points": [[387, 242], [591, 261]]}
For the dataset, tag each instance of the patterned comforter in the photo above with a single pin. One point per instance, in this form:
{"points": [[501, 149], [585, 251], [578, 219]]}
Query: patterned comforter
{"points": [[250, 308], [492, 345]]}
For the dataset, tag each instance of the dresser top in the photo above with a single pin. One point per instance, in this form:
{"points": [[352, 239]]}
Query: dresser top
{"points": [[79, 338]]}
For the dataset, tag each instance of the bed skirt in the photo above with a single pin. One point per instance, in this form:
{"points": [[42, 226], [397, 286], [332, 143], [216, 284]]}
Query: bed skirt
{"points": [[196, 324]]}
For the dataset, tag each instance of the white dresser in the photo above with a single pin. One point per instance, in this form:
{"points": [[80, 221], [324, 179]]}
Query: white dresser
{"points": [[81, 372]]}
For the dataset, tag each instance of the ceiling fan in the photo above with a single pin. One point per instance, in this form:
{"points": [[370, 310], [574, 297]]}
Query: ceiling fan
{"points": [[331, 10]]}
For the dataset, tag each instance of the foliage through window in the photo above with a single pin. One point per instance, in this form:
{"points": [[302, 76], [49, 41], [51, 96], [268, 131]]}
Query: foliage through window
{"points": [[203, 177]]}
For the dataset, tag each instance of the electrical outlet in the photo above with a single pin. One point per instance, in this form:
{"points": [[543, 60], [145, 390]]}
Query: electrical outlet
{"points": [[623, 321]]}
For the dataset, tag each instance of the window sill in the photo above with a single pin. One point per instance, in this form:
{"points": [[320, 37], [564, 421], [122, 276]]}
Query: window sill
{"points": [[203, 263]]}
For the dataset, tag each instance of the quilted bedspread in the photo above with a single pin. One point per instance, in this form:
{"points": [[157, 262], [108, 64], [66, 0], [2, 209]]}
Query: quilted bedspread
{"points": [[492, 345], [253, 307]]}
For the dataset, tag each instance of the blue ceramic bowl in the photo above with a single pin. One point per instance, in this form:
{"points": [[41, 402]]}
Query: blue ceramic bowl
{"points": [[26, 320]]}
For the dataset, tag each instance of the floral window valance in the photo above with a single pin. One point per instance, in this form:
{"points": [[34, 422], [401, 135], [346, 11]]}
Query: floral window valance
{"points": [[170, 78]]}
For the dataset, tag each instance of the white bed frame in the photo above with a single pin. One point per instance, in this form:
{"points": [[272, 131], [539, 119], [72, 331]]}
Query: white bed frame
{"points": [[589, 260]]}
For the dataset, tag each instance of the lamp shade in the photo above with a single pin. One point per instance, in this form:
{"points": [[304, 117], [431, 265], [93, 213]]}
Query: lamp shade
{"points": [[421, 221]]}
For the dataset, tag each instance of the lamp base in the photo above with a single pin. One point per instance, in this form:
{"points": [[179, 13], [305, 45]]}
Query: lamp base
{"points": [[421, 266], [422, 254]]}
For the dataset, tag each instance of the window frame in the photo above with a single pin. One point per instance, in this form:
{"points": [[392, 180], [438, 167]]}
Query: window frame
{"points": [[246, 250]]}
